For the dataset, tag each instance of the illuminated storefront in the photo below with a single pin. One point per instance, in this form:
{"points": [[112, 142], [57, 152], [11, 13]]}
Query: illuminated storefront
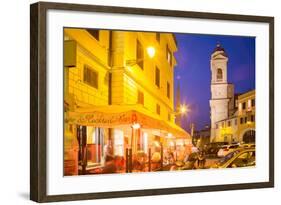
{"points": [[127, 133]]}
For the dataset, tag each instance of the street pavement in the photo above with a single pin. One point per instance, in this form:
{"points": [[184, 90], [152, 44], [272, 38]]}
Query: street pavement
{"points": [[211, 161]]}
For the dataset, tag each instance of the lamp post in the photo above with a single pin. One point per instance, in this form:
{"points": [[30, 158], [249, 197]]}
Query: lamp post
{"points": [[150, 50], [183, 109]]}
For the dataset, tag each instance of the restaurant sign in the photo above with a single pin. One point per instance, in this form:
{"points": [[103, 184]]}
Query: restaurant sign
{"points": [[99, 119]]}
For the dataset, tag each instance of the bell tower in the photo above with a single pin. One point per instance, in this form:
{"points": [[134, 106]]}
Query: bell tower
{"points": [[222, 93]]}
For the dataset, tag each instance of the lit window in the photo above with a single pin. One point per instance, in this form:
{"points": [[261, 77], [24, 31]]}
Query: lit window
{"points": [[249, 104], [169, 55], [240, 106]]}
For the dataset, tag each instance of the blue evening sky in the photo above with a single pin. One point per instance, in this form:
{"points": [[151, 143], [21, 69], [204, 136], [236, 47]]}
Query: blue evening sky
{"points": [[193, 58]]}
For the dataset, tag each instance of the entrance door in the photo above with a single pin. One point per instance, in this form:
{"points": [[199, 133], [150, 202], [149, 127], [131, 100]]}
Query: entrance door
{"points": [[249, 136]]}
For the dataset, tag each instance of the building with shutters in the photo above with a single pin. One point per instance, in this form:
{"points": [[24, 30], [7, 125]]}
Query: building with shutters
{"points": [[118, 96]]}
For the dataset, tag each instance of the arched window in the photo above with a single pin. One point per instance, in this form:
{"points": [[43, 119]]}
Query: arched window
{"points": [[219, 74]]}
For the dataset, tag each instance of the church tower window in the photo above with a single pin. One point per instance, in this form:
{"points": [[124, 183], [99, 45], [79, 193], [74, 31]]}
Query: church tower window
{"points": [[219, 74]]}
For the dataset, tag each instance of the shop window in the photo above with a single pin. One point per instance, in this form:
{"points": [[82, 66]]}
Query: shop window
{"points": [[118, 142], [157, 77], [140, 54], [245, 119], [219, 74], [158, 109], [169, 55], [222, 124], [145, 142], [94, 33], [90, 76], [168, 90], [94, 144], [140, 98]]}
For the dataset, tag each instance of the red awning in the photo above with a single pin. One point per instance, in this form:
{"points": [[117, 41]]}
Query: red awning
{"points": [[118, 115]]}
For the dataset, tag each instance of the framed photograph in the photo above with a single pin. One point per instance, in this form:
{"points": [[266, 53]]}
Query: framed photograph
{"points": [[134, 102]]}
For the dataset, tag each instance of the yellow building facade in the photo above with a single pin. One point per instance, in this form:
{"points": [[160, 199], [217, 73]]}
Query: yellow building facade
{"points": [[117, 96], [240, 127]]}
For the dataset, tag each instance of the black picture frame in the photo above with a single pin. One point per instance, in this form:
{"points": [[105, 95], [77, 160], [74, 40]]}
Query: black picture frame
{"points": [[38, 102]]}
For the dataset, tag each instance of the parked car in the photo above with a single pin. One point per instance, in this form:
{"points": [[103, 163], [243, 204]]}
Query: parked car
{"points": [[250, 145], [225, 149], [213, 148], [237, 158]]}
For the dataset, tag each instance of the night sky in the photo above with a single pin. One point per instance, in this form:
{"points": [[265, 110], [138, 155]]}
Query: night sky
{"points": [[193, 58]]}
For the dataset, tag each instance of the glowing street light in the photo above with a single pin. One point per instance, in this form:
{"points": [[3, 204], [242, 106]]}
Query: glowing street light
{"points": [[150, 51], [183, 109]]}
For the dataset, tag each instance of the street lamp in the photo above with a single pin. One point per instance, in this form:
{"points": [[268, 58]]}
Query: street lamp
{"points": [[150, 50], [183, 109]]}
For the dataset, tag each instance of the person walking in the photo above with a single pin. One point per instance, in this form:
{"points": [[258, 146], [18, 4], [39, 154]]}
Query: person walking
{"points": [[201, 160]]}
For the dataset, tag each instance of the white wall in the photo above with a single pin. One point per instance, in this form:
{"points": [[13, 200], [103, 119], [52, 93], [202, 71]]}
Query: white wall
{"points": [[14, 103]]}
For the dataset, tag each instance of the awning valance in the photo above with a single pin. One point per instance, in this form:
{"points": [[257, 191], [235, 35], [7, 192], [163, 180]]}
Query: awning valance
{"points": [[116, 115]]}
